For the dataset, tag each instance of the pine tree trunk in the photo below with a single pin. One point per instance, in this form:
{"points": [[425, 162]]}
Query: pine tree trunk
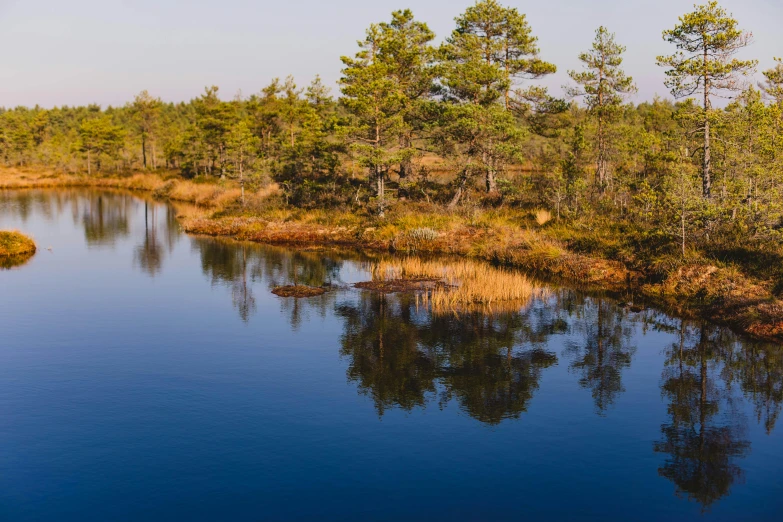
{"points": [[492, 184], [491, 178], [460, 189], [381, 193], [601, 166], [706, 179], [406, 166], [144, 150]]}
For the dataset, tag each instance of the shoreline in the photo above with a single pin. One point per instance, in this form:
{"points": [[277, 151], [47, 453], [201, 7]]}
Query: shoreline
{"points": [[722, 295]]}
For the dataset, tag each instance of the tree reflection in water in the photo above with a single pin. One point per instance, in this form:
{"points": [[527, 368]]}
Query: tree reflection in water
{"points": [[702, 443], [759, 369], [399, 354], [105, 217], [402, 355], [149, 254], [381, 343], [239, 265], [603, 351]]}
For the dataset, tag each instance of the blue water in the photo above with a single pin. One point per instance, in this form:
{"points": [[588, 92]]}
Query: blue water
{"points": [[149, 375]]}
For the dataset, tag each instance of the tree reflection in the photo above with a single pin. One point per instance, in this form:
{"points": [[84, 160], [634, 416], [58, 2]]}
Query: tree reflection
{"points": [[603, 352], [385, 359], [702, 446], [241, 292], [759, 369], [149, 255], [231, 265], [398, 355], [239, 265], [488, 366], [280, 267], [105, 218]]}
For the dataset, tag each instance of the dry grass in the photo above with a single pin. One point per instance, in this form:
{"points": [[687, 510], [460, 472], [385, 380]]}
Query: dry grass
{"points": [[217, 196], [461, 285], [542, 217], [13, 243]]}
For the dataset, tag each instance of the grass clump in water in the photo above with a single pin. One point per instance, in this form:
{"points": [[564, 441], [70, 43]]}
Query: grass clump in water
{"points": [[15, 249], [13, 243], [459, 286], [298, 291]]}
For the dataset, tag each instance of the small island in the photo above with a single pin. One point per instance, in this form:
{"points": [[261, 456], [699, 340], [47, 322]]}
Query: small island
{"points": [[15, 248], [298, 291]]}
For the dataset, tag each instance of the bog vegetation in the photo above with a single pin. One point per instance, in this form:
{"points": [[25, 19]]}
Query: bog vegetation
{"points": [[14, 247], [463, 286], [460, 128]]}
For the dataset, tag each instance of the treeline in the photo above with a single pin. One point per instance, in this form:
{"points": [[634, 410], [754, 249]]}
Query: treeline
{"points": [[461, 122]]}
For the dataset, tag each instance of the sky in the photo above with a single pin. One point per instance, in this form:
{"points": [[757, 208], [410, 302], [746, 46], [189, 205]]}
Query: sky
{"points": [[105, 51]]}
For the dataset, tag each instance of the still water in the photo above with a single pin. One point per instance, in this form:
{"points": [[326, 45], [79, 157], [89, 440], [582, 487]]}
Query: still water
{"points": [[149, 375]]}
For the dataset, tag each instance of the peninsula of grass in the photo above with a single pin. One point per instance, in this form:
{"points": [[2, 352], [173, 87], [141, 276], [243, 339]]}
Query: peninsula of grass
{"points": [[15, 244]]}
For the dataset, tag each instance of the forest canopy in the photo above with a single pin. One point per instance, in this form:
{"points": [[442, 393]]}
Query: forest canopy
{"points": [[465, 123]]}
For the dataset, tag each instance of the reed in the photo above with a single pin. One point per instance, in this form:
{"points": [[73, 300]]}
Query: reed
{"points": [[460, 286]]}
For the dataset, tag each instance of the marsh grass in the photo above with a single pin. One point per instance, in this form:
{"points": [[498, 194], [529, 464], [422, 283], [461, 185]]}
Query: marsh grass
{"points": [[15, 249], [215, 195], [459, 286], [13, 243], [542, 217]]}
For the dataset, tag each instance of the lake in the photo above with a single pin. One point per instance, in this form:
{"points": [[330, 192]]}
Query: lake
{"points": [[149, 375]]}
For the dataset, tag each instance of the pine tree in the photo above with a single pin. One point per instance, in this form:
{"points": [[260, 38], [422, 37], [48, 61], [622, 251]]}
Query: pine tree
{"points": [[773, 84], [490, 51], [214, 118], [707, 41], [99, 136], [241, 147], [411, 60], [144, 111], [603, 84], [377, 84]]}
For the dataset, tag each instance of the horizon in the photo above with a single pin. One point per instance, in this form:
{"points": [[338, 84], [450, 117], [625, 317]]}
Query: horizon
{"points": [[174, 54]]}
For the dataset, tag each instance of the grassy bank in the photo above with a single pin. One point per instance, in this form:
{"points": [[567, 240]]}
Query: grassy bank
{"points": [[738, 291]]}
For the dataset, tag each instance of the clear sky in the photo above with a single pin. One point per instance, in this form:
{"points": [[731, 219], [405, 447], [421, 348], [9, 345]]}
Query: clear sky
{"points": [[74, 52]]}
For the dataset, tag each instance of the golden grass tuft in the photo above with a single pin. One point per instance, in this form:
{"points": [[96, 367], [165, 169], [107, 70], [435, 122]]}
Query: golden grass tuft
{"points": [[15, 248], [462, 285], [542, 217]]}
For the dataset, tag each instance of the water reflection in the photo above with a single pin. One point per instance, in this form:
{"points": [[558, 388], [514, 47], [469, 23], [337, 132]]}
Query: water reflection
{"points": [[241, 265], [604, 349], [149, 255], [105, 217], [705, 435], [9, 262], [385, 357], [400, 355], [714, 387], [759, 369]]}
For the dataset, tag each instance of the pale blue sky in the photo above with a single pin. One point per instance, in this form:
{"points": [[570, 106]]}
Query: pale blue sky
{"points": [[59, 52]]}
